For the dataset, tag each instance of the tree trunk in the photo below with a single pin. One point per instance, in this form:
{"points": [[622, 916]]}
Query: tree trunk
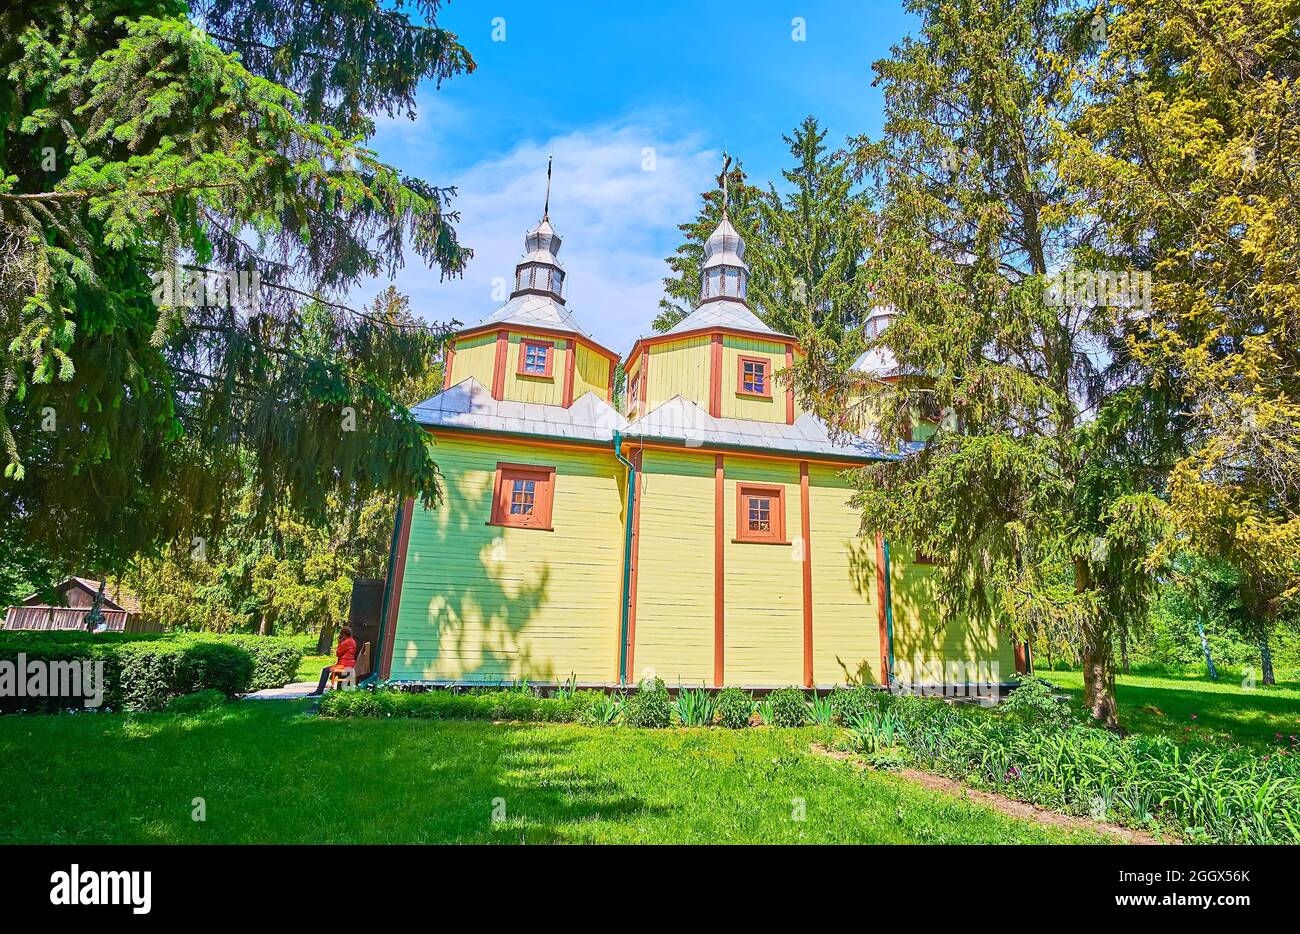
{"points": [[1266, 661], [326, 640], [1099, 681], [1205, 647], [1098, 657], [266, 627]]}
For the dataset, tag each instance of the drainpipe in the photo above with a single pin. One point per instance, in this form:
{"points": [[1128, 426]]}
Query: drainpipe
{"points": [[889, 609], [627, 556]]}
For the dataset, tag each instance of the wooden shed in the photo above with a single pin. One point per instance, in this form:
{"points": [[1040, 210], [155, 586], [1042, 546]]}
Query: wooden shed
{"points": [[74, 598]]}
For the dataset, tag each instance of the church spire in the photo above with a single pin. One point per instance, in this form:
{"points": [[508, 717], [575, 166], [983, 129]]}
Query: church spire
{"points": [[725, 274], [539, 272]]}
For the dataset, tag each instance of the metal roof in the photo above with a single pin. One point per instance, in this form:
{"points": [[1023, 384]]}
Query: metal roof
{"points": [[469, 404], [530, 310], [723, 313], [725, 247], [680, 420], [878, 361]]}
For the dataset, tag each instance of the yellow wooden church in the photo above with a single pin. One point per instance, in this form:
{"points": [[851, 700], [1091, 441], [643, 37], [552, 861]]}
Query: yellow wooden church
{"points": [[700, 531]]}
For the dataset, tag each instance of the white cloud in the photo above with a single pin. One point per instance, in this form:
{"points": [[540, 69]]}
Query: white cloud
{"points": [[617, 220]]}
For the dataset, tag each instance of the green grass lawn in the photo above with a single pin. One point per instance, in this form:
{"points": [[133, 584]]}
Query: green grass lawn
{"points": [[270, 773], [310, 666], [1166, 704]]}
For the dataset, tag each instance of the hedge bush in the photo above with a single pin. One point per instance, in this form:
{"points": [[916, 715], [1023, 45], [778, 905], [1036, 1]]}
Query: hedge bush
{"points": [[650, 707], [145, 671], [735, 708], [448, 705], [789, 707]]}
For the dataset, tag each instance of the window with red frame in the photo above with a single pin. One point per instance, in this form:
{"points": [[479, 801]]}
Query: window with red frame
{"points": [[760, 514], [522, 496], [536, 358], [754, 378], [634, 391]]}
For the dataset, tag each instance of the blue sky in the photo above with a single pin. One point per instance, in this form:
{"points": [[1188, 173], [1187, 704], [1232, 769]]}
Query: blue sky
{"points": [[599, 85]]}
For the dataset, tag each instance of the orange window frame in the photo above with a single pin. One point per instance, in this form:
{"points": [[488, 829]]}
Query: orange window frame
{"points": [[634, 391], [547, 346], [541, 500], [775, 496], [766, 364]]}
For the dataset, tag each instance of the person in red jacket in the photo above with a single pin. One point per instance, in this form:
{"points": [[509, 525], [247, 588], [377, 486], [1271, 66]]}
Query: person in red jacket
{"points": [[347, 660]]}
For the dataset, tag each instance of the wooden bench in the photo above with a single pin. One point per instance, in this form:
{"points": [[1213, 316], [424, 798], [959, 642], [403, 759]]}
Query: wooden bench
{"points": [[349, 677]]}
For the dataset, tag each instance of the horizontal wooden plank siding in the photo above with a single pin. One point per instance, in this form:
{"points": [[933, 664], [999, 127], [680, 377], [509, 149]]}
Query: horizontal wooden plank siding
{"points": [[674, 609], [474, 357], [924, 647], [485, 603], [591, 374], [764, 585], [846, 635], [679, 368]]}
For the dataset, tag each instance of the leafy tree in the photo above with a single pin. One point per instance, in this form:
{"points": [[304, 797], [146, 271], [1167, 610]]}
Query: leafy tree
{"points": [[682, 288], [804, 249], [1038, 496], [289, 574], [147, 161], [814, 240], [1188, 151]]}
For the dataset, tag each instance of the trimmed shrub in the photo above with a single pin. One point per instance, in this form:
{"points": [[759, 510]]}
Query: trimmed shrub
{"points": [[650, 707], [275, 658], [789, 707], [140, 673], [1034, 701], [440, 704], [20, 648], [197, 703], [735, 708], [154, 673], [850, 704]]}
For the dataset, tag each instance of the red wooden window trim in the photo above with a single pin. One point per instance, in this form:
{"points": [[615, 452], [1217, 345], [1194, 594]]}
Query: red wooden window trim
{"points": [[764, 378], [522, 496], [548, 351], [634, 392], [760, 503]]}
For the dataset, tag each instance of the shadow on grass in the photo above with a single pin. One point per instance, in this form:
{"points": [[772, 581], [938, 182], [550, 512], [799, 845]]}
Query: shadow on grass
{"points": [[267, 772], [1182, 707]]}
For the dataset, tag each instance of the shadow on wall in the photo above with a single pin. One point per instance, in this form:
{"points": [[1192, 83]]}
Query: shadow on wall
{"points": [[484, 597], [862, 571], [922, 640]]}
